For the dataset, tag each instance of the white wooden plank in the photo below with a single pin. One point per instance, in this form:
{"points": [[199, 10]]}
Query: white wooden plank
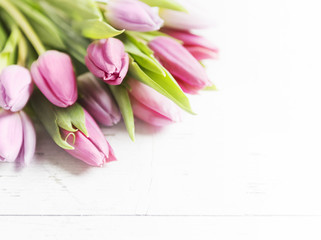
{"points": [[158, 228]]}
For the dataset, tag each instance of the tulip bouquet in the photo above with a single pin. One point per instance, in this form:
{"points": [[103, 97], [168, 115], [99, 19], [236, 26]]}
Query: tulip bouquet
{"points": [[74, 64]]}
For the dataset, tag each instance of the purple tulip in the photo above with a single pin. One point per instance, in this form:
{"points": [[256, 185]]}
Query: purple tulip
{"points": [[107, 60], [187, 71], [98, 100], [133, 15], [183, 20], [15, 88], [54, 75], [151, 106], [197, 45], [93, 150], [17, 137]]}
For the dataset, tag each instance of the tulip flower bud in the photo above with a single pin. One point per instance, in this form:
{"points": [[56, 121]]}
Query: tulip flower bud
{"points": [[98, 100], [15, 88], [182, 20], [151, 106], [186, 70], [18, 137], [133, 15], [54, 75], [107, 60], [197, 45], [94, 149]]}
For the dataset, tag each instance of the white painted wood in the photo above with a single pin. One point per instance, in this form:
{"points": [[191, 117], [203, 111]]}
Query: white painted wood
{"points": [[252, 150]]}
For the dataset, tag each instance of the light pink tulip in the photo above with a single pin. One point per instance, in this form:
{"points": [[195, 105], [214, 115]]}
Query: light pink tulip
{"points": [[197, 45], [107, 60], [54, 75], [183, 20], [151, 106], [93, 150], [187, 71], [15, 88], [17, 137], [98, 100], [133, 15]]}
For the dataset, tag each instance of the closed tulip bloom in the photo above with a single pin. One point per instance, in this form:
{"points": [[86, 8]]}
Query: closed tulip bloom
{"points": [[197, 45], [15, 88], [133, 15], [54, 75], [98, 100], [107, 60], [151, 106], [183, 20], [93, 150], [17, 137], [187, 71]]}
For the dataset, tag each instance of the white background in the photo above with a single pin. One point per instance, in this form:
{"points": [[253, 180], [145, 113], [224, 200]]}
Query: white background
{"points": [[247, 167]]}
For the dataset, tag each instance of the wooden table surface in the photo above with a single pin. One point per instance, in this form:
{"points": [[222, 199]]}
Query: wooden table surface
{"points": [[246, 167]]}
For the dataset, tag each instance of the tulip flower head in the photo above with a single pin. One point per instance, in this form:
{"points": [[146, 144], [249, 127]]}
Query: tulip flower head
{"points": [[151, 106], [187, 71], [93, 149], [54, 75], [184, 21], [197, 45], [107, 60], [15, 88], [98, 100], [18, 137], [133, 15]]}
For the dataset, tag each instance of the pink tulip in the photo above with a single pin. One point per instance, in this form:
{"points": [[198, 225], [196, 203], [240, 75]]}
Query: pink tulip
{"points": [[54, 75], [197, 45], [15, 88], [93, 150], [17, 137], [187, 71], [98, 100], [107, 60], [183, 20], [151, 106], [133, 15]]}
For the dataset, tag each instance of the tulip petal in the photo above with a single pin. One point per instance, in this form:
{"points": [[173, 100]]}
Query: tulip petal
{"points": [[11, 136], [29, 140], [15, 87], [53, 70]]}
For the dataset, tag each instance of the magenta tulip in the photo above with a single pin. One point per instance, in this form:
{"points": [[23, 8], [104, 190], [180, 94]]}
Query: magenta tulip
{"points": [[98, 100], [107, 60], [54, 75], [133, 15], [15, 88], [187, 71], [183, 20], [17, 137], [197, 45], [151, 106], [93, 150]]}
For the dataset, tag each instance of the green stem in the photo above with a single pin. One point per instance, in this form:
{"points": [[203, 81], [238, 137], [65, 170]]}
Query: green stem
{"points": [[24, 25]]}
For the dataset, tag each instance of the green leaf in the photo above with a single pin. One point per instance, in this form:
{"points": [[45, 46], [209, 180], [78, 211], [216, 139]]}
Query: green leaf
{"points": [[169, 4], [148, 61], [210, 88], [46, 113], [83, 15], [166, 85], [120, 93], [43, 26], [53, 118], [8, 54], [97, 29], [3, 36]]}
